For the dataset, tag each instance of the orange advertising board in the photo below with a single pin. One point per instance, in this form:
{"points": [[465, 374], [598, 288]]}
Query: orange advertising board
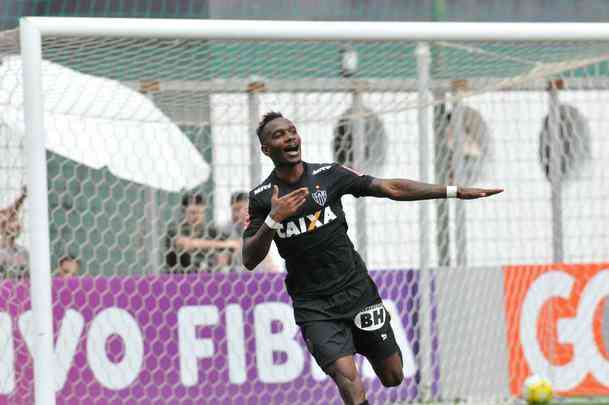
{"points": [[554, 319]]}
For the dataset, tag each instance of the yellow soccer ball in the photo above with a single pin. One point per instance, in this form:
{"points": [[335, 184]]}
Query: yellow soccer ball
{"points": [[537, 390]]}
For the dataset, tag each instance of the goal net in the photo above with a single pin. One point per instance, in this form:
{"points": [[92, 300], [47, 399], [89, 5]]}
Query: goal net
{"points": [[151, 144]]}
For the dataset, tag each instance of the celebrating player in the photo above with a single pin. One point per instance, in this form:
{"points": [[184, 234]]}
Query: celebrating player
{"points": [[336, 304]]}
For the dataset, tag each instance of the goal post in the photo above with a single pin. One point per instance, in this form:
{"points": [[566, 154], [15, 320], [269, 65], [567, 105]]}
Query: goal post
{"points": [[196, 86], [40, 259]]}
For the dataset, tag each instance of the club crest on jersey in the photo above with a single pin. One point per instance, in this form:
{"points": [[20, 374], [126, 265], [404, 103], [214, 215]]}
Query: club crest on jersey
{"points": [[320, 197]]}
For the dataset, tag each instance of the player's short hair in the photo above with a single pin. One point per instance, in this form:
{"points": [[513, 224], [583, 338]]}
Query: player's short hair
{"points": [[238, 196], [266, 118], [193, 198]]}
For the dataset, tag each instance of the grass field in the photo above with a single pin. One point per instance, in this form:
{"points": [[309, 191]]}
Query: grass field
{"points": [[583, 403], [559, 401], [602, 402]]}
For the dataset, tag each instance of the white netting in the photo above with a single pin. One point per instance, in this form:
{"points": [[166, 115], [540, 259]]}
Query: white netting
{"points": [[133, 125]]}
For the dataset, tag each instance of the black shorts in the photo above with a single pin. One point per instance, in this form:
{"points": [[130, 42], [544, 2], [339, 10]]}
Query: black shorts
{"points": [[356, 321]]}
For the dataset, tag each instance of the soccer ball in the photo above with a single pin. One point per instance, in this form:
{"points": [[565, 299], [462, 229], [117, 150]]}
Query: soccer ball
{"points": [[537, 390]]}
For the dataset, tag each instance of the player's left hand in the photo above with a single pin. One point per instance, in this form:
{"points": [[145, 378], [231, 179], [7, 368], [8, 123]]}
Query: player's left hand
{"points": [[466, 193]]}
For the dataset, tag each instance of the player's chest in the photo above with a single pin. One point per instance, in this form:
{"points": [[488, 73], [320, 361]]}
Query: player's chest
{"points": [[320, 209], [321, 194]]}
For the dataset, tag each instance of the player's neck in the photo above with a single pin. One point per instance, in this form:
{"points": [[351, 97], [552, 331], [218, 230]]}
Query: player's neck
{"points": [[289, 174]]}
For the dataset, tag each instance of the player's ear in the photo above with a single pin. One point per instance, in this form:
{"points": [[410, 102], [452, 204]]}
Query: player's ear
{"points": [[265, 149]]}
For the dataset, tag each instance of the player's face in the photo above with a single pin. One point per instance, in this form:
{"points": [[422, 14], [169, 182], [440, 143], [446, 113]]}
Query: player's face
{"points": [[194, 214], [282, 142]]}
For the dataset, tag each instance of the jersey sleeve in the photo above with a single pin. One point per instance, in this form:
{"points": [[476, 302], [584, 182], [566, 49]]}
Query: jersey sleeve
{"points": [[348, 181], [257, 215]]}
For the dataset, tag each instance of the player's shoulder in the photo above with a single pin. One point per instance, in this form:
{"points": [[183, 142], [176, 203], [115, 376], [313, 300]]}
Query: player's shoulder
{"points": [[261, 189], [332, 169], [321, 169]]}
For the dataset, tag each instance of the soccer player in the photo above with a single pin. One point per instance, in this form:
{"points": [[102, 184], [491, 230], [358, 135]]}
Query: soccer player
{"points": [[336, 303]]}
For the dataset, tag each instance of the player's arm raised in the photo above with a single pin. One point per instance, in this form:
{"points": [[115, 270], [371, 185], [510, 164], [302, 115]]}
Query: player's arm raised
{"points": [[256, 247], [411, 190]]}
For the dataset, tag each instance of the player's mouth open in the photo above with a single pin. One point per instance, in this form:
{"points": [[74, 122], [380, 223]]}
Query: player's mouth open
{"points": [[292, 151]]}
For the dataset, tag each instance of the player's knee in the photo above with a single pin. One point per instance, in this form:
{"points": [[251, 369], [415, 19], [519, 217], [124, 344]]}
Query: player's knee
{"points": [[348, 381], [392, 378], [344, 377]]}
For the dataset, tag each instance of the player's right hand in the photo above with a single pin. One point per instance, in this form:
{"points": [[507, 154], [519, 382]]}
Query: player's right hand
{"points": [[286, 206]]}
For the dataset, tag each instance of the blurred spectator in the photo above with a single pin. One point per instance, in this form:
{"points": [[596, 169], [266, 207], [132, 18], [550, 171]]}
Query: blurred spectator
{"points": [[14, 258], [192, 245], [68, 266], [239, 205], [8, 213]]}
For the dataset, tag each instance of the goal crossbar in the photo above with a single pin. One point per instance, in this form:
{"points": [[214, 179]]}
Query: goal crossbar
{"points": [[315, 30]]}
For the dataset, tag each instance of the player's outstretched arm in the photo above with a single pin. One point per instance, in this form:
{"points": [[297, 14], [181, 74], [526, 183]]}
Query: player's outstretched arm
{"points": [[256, 247], [410, 190]]}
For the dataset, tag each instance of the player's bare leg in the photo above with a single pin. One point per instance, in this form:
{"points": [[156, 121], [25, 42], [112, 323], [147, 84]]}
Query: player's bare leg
{"points": [[344, 373], [389, 370]]}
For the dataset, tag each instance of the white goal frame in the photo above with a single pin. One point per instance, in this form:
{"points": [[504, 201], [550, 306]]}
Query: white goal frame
{"points": [[32, 30]]}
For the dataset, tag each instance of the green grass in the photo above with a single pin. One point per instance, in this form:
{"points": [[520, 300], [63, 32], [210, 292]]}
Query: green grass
{"points": [[513, 401], [582, 401], [605, 402]]}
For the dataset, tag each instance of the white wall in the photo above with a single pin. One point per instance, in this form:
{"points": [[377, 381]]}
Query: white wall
{"points": [[472, 335]]}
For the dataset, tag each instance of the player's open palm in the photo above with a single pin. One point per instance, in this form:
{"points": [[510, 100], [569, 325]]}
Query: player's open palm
{"points": [[287, 205], [467, 193]]}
